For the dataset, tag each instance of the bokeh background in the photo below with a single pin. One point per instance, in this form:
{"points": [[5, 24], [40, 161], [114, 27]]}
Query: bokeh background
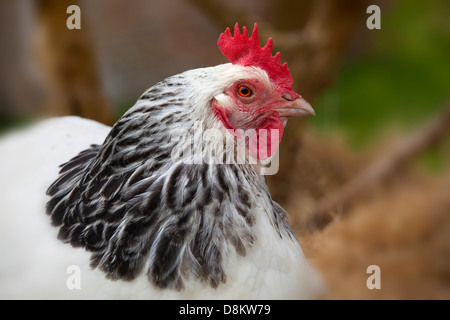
{"points": [[365, 182]]}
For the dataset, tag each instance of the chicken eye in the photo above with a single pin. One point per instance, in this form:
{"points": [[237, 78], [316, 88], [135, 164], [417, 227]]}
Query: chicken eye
{"points": [[245, 92]]}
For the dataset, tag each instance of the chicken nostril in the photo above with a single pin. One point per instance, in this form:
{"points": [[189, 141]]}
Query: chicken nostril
{"points": [[287, 96]]}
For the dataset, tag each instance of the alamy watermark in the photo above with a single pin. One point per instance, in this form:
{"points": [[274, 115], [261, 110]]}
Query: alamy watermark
{"points": [[73, 281], [374, 20], [213, 146], [74, 20], [374, 280]]}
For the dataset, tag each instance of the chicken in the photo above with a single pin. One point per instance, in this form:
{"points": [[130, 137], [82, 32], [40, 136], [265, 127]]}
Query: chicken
{"points": [[132, 214]]}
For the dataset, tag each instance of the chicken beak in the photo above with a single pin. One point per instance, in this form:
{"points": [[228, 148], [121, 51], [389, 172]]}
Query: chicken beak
{"points": [[296, 108]]}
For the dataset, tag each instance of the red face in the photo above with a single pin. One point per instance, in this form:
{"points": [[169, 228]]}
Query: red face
{"points": [[258, 105]]}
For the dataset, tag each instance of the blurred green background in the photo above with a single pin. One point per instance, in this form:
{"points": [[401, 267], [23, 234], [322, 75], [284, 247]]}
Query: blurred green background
{"points": [[401, 79]]}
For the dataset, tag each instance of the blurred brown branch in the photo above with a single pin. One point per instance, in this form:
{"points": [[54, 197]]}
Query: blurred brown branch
{"points": [[396, 156], [69, 66]]}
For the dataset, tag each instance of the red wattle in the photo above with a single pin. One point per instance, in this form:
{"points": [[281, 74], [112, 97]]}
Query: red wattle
{"points": [[267, 139], [268, 136]]}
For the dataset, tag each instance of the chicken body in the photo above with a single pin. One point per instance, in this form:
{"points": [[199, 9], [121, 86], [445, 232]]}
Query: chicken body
{"points": [[132, 222]]}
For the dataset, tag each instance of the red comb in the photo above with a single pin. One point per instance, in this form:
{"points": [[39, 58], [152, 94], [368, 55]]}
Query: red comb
{"points": [[246, 51]]}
